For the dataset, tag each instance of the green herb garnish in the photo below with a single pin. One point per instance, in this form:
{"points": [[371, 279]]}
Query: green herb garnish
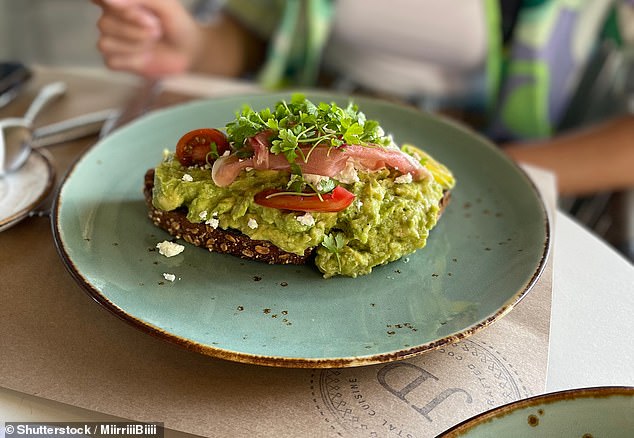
{"points": [[300, 123], [213, 154], [334, 244], [297, 183]]}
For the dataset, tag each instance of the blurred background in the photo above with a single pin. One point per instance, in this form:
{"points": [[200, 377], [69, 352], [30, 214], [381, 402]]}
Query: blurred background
{"points": [[51, 32], [64, 33]]}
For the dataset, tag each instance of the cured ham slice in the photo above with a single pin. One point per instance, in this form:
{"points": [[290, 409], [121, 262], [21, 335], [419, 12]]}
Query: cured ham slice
{"points": [[260, 145], [375, 158], [322, 160]]}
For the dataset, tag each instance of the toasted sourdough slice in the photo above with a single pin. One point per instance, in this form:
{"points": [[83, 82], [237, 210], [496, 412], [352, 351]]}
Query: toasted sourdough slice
{"points": [[226, 241]]}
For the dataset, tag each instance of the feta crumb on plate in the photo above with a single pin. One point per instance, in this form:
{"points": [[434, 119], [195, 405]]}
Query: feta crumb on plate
{"points": [[253, 224], [187, 177], [169, 277], [169, 249]]}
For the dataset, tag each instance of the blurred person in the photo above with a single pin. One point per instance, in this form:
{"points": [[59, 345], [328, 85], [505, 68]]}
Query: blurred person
{"points": [[439, 54], [157, 38], [406, 55], [596, 158]]}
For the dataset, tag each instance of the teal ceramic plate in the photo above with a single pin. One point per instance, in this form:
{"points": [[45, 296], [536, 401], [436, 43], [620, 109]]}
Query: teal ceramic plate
{"points": [[486, 253], [583, 413]]}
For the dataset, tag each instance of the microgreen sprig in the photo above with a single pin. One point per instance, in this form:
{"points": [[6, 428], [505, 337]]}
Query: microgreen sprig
{"points": [[213, 154], [301, 123], [334, 244]]}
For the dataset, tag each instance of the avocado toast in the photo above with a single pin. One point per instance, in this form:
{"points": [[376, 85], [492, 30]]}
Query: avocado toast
{"points": [[300, 183]]}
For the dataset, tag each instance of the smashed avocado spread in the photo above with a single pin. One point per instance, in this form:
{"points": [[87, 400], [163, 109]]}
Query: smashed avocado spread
{"points": [[389, 213]]}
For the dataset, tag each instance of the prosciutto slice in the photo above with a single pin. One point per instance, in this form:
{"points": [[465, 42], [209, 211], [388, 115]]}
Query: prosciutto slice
{"points": [[260, 145], [321, 160]]}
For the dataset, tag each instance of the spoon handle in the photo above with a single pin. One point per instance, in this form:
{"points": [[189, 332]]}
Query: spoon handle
{"points": [[71, 129], [46, 94]]}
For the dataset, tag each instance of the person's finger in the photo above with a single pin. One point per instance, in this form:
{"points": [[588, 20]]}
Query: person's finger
{"points": [[146, 64], [143, 17], [129, 12], [164, 61], [134, 63], [114, 8], [112, 46], [161, 36], [110, 25], [114, 4], [163, 10], [170, 15]]}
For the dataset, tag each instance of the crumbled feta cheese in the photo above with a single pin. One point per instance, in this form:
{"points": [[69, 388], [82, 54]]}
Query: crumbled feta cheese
{"points": [[213, 222], [166, 154], [359, 203], [169, 277], [203, 215], [187, 177], [403, 179], [314, 179], [253, 224], [306, 219], [169, 249], [348, 175]]}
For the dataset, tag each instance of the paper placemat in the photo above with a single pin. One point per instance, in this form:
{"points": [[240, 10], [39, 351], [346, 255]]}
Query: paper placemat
{"points": [[58, 344]]}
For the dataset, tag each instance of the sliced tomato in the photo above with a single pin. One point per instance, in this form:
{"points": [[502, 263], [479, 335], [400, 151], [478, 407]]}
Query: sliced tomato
{"points": [[194, 146], [334, 201]]}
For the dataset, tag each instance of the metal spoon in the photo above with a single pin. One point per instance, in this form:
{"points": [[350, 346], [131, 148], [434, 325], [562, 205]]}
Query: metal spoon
{"points": [[72, 129], [16, 134]]}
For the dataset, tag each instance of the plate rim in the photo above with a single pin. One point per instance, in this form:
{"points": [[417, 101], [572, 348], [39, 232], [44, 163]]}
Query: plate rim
{"points": [[566, 394], [16, 217], [299, 362]]}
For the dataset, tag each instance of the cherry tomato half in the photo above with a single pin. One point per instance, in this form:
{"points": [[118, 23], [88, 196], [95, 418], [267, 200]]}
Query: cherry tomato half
{"points": [[334, 201], [193, 147]]}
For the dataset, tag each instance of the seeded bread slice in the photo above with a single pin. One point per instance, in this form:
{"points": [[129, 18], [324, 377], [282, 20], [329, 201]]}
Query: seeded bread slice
{"points": [[225, 241], [215, 239]]}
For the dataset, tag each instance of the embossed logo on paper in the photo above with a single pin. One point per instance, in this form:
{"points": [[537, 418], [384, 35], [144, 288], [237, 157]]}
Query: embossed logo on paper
{"points": [[419, 397]]}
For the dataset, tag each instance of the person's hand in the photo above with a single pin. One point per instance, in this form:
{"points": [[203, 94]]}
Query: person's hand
{"points": [[152, 38]]}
